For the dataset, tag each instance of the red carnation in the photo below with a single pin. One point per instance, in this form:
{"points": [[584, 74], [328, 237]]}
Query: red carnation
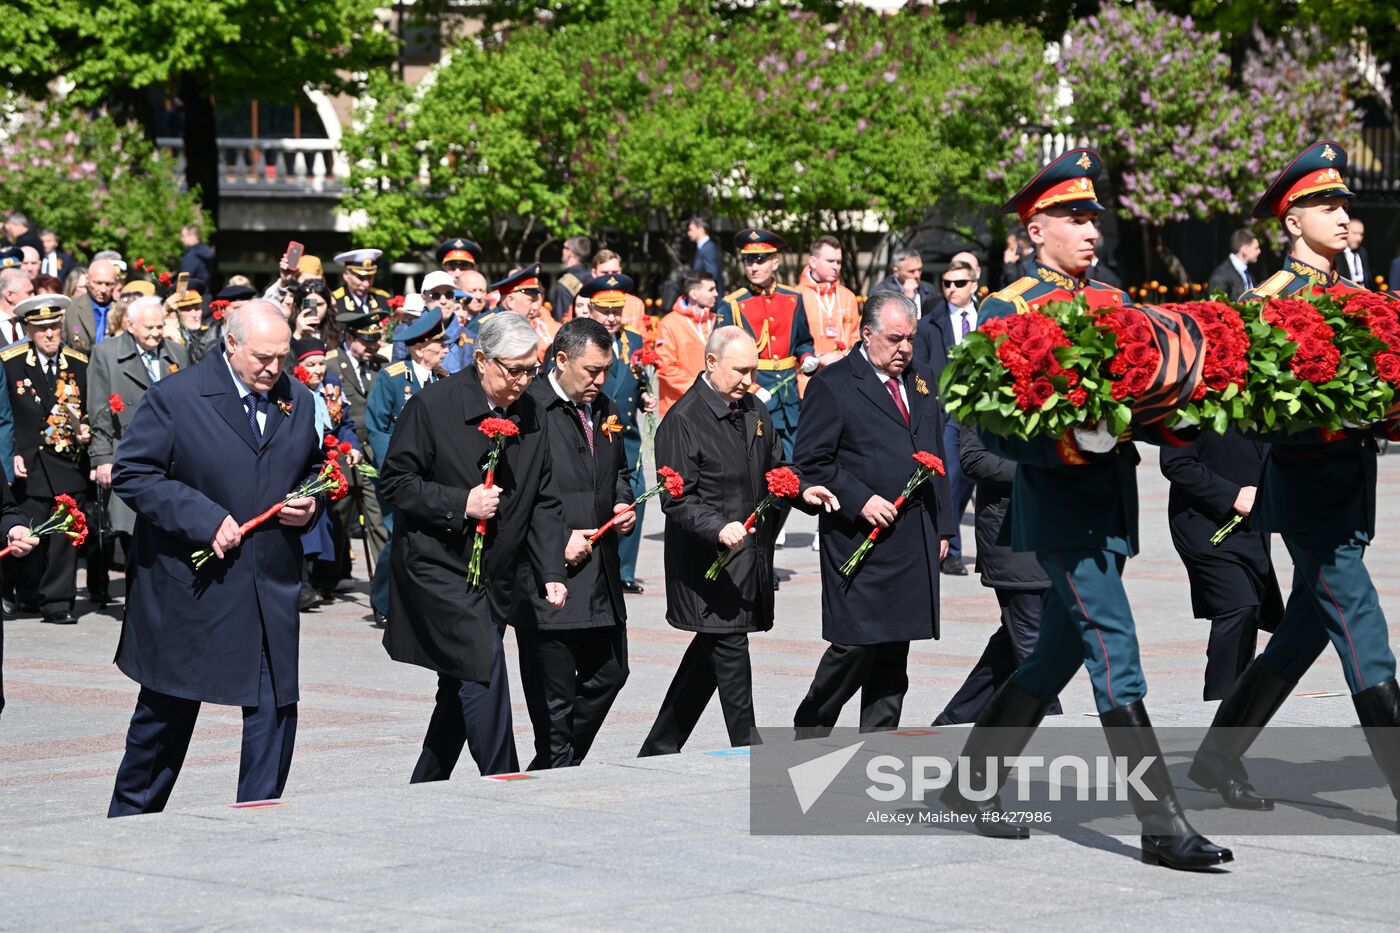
{"points": [[114, 402], [672, 481], [344, 447], [302, 373], [929, 462], [498, 427], [140, 263], [164, 279], [782, 482]]}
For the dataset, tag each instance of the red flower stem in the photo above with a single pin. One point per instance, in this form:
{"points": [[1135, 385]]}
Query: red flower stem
{"points": [[252, 523], [490, 482], [875, 532]]}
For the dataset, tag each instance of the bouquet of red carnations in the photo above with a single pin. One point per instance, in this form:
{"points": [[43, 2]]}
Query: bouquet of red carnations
{"points": [[926, 466], [66, 519]]}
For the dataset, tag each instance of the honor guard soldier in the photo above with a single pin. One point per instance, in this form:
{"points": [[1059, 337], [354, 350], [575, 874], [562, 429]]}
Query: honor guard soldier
{"points": [[357, 291], [1318, 492], [393, 387], [1074, 503], [356, 361], [47, 383], [607, 301], [522, 293], [774, 314]]}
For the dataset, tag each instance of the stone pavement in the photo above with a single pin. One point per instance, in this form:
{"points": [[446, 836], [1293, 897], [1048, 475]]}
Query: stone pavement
{"points": [[619, 842]]}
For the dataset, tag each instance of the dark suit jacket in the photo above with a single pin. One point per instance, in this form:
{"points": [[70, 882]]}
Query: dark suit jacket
{"points": [[589, 484], [1393, 276], [1000, 567], [708, 259], [189, 460], [853, 441], [435, 459], [1227, 279], [65, 263], [566, 289], [722, 456], [928, 295], [1343, 265], [32, 399], [933, 341], [1206, 477]]}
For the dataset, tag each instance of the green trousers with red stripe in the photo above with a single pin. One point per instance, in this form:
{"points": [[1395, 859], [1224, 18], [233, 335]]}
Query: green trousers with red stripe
{"points": [[1334, 600], [1085, 621]]}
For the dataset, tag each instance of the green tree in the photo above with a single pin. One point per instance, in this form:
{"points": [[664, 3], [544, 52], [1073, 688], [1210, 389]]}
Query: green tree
{"points": [[114, 52], [97, 183], [1182, 135]]}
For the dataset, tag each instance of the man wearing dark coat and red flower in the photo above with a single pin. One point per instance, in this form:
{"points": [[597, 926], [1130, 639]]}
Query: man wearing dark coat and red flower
{"points": [[865, 417], [1074, 503], [1318, 491], [435, 478], [723, 443]]}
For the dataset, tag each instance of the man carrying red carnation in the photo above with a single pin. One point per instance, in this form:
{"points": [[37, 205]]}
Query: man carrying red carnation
{"points": [[1318, 491], [865, 418], [1074, 503]]}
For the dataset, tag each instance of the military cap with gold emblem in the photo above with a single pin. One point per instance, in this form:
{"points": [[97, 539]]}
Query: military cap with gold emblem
{"points": [[525, 280], [362, 262], [11, 257], [458, 249], [752, 241], [42, 309], [1067, 182], [366, 325], [426, 326], [608, 291], [1316, 172]]}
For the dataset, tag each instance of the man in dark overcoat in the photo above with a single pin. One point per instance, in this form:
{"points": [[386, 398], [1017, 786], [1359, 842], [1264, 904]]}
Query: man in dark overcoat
{"points": [[573, 661], [722, 442], [433, 478], [1233, 585], [209, 448], [1017, 579], [865, 418]]}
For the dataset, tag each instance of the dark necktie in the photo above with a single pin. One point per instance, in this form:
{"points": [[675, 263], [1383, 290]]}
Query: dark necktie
{"points": [[16, 332], [893, 385], [966, 321], [253, 403], [1248, 282], [51, 369], [587, 424]]}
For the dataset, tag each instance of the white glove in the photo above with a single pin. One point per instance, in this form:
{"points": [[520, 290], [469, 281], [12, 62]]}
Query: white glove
{"points": [[1095, 440], [763, 394], [809, 365]]}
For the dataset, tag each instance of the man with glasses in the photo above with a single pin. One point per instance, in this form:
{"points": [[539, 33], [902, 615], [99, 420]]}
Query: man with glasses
{"points": [[357, 362], [393, 387], [776, 318], [433, 478], [944, 327]]}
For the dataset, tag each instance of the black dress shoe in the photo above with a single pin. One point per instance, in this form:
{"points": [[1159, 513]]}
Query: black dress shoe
{"points": [[63, 617], [100, 598], [631, 586], [308, 599], [378, 620], [953, 567]]}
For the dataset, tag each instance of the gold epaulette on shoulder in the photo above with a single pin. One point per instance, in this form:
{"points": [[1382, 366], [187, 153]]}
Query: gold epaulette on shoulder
{"points": [[380, 292], [1017, 288], [733, 296], [1274, 284], [77, 355], [18, 349], [396, 369], [338, 294]]}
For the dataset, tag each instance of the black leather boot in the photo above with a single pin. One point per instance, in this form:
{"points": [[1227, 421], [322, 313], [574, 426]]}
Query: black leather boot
{"points": [[1378, 708], [1246, 709], [1002, 731], [1167, 838]]}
